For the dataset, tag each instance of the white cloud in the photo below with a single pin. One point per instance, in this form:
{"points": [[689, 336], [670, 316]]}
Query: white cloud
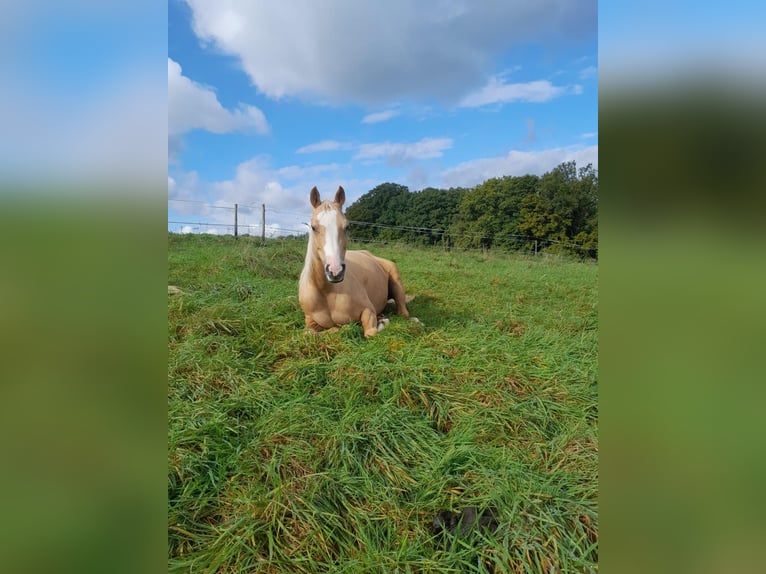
{"points": [[396, 152], [375, 52], [273, 229], [324, 145], [589, 72], [287, 189], [516, 162], [284, 191], [254, 182], [296, 172], [378, 117], [427, 148], [496, 91], [183, 190], [194, 106], [589, 135]]}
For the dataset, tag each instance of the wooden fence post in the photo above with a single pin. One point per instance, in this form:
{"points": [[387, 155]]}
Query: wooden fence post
{"points": [[263, 224], [235, 221]]}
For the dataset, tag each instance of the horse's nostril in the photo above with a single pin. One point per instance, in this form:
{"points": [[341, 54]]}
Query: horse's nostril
{"points": [[330, 273]]}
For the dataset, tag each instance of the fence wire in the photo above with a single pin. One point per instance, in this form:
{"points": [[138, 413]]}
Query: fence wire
{"points": [[278, 231]]}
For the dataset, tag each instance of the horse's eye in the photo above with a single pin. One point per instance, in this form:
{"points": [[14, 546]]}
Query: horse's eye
{"points": [[314, 228]]}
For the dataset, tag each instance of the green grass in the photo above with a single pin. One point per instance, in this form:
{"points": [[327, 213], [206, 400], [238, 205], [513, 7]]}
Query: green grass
{"points": [[293, 452]]}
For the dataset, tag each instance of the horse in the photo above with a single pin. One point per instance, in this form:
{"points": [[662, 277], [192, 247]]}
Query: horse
{"points": [[337, 286]]}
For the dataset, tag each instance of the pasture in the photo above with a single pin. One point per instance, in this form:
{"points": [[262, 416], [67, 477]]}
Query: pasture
{"points": [[298, 452]]}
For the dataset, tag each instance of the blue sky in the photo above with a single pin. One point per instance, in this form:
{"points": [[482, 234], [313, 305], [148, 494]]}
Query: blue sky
{"points": [[268, 99], [655, 43], [83, 96], [90, 89]]}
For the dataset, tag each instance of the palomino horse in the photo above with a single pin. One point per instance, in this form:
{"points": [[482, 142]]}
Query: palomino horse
{"points": [[339, 286]]}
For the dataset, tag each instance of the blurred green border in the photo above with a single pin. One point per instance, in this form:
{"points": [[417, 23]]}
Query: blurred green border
{"points": [[681, 336], [83, 403]]}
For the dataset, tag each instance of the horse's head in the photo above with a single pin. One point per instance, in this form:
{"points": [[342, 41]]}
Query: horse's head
{"points": [[329, 234]]}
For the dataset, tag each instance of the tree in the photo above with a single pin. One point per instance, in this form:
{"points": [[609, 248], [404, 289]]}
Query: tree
{"points": [[433, 209], [558, 209], [538, 221], [385, 204], [563, 210], [488, 214]]}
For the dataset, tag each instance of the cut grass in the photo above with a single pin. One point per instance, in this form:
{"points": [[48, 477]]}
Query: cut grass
{"points": [[291, 452]]}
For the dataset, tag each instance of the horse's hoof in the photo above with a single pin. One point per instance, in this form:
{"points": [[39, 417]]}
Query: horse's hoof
{"points": [[416, 320], [382, 324]]}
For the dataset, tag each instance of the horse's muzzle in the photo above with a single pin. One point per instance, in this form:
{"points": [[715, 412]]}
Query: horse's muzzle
{"points": [[335, 278]]}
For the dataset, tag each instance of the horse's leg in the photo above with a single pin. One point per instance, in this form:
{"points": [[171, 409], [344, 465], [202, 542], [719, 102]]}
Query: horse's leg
{"points": [[370, 323], [313, 325], [396, 290]]}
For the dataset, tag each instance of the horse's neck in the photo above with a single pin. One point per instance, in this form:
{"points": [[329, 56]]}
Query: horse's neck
{"points": [[312, 273]]}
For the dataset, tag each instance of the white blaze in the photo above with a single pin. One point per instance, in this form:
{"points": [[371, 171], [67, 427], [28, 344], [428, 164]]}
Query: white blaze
{"points": [[329, 220]]}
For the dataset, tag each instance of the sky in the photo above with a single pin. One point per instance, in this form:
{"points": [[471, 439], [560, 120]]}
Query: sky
{"points": [[256, 102], [659, 43], [83, 94], [267, 100]]}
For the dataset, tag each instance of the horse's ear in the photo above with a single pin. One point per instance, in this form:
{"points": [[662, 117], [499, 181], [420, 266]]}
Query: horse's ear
{"points": [[314, 197], [340, 196]]}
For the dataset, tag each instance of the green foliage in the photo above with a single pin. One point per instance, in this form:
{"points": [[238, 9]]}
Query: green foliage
{"points": [[488, 215], [293, 452], [386, 204], [556, 212], [432, 209]]}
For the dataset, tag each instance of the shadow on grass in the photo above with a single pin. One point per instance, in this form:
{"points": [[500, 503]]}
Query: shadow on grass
{"points": [[435, 311]]}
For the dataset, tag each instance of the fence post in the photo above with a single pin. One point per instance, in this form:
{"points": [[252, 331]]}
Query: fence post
{"points": [[235, 221], [263, 224], [535, 246]]}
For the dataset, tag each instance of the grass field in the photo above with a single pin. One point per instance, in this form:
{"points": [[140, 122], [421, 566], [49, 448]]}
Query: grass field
{"points": [[292, 452]]}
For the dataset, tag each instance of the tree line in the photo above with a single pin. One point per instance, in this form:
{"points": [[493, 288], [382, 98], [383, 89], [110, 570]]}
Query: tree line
{"points": [[556, 212]]}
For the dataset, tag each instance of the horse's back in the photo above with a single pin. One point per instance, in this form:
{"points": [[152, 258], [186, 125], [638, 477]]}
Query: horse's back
{"points": [[372, 263], [364, 260], [385, 264]]}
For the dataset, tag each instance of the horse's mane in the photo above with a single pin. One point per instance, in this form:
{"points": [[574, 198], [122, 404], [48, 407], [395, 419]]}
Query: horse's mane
{"points": [[326, 206]]}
